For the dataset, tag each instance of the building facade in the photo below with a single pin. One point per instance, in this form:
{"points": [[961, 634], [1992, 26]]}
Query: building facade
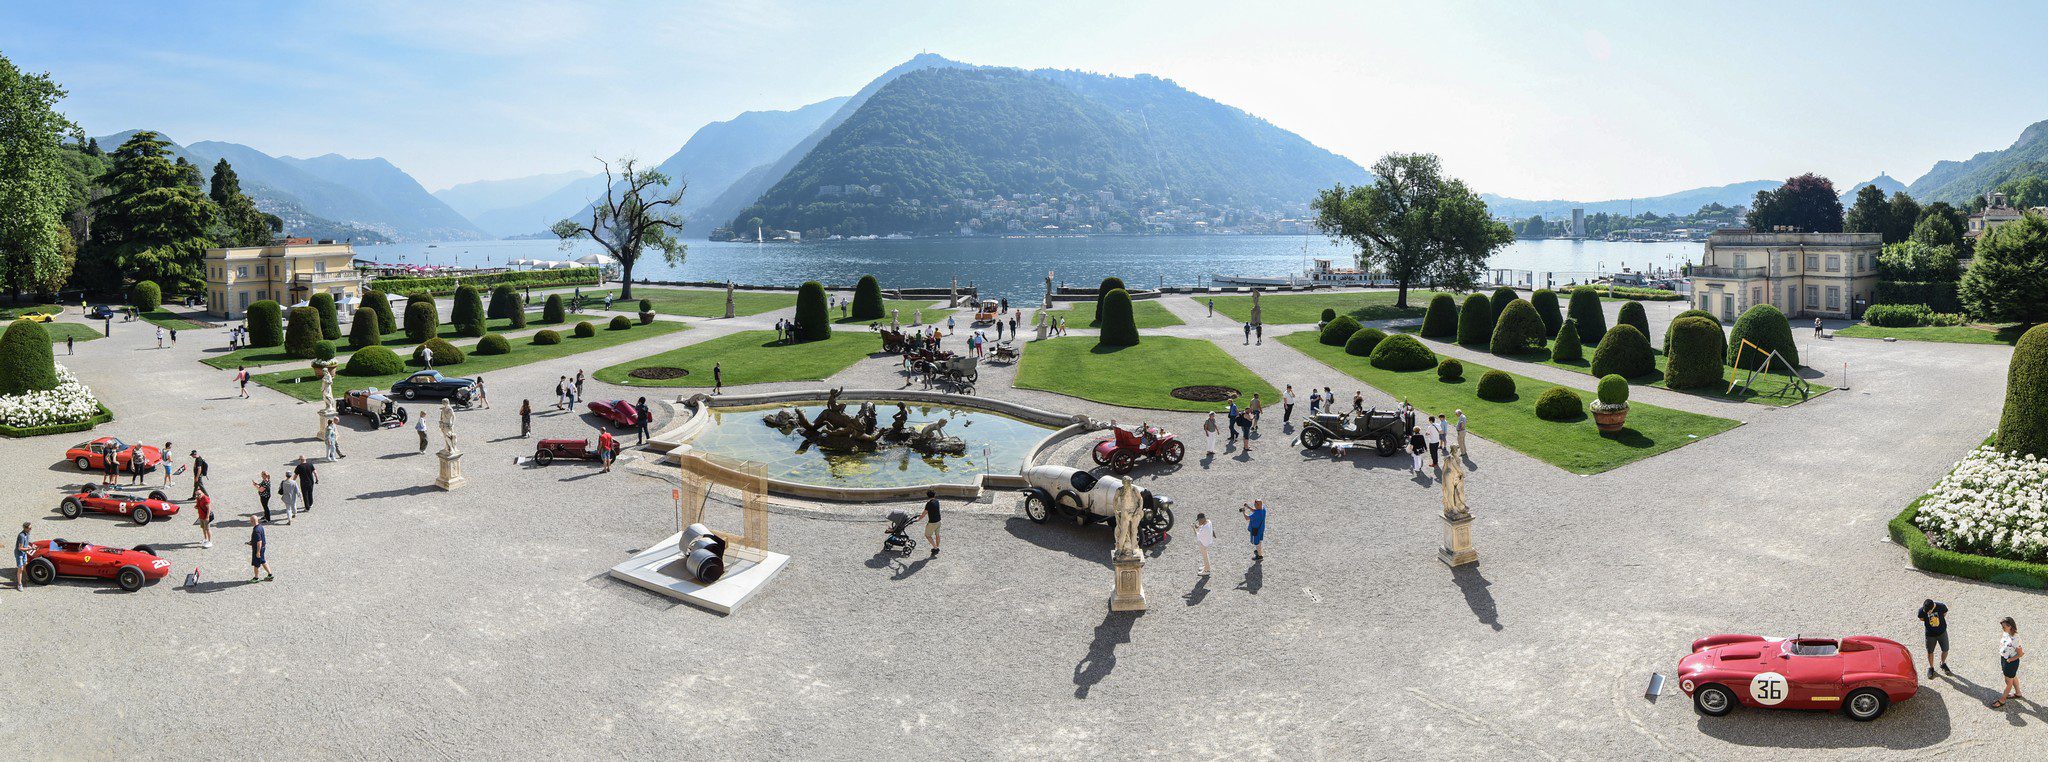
{"points": [[1830, 275], [286, 273], [1997, 211]]}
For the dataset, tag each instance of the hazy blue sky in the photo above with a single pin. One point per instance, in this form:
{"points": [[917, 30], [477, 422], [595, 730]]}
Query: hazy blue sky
{"points": [[1535, 100]]}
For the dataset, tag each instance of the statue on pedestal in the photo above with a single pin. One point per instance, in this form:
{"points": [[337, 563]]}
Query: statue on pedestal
{"points": [[450, 456], [917, 316], [1457, 549], [1128, 561], [327, 410], [1048, 291], [953, 294], [1255, 308], [728, 299]]}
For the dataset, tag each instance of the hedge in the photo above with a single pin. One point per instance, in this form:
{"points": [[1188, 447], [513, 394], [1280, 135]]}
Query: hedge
{"points": [[1898, 315], [1441, 319], [1585, 308], [620, 323], [323, 350], [266, 324], [1363, 341], [546, 337], [1401, 351], [1545, 302], [1119, 322], [572, 276], [1925, 556], [2023, 427], [1939, 296], [1632, 314], [493, 344], [1567, 348], [1624, 352], [363, 331], [373, 361], [1496, 386], [302, 333], [103, 416], [1500, 299], [1339, 330], [1518, 330], [1560, 404], [867, 299], [1613, 390], [468, 315], [380, 304], [330, 322], [1642, 294], [27, 362], [1475, 320], [1694, 349], [584, 330], [505, 303], [422, 322], [147, 296], [1450, 370], [554, 311], [1102, 293], [1687, 314], [813, 318], [444, 352], [1766, 327]]}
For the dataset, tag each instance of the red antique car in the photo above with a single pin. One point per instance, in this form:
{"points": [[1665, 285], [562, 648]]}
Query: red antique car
{"points": [[1861, 675], [1122, 451], [92, 456], [620, 412], [139, 507], [62, 558], [547, 450]]}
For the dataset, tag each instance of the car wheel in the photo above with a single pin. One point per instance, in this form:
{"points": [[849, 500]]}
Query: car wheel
{"points": [[1385, 446], [1713, 701], [69, 508], [144, 549], [159, 496], [1099, 457], [410, 394], [83, 463], [544, 457], [1314, 439], [1161, 519], [1866, 704], [1035, 507], [41, 571], [140, 515], [130, 578], [1123, 461], [1174, 451]]}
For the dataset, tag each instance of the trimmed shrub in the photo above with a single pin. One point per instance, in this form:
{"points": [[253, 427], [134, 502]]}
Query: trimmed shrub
{"points": [[1925, 556], [444, 352], [546, 337], [504, 303], [1939, 296], [1698, 313], [1102, 293], [1766, 327], [1567, 348], [1441, 319], [1585, 308], [1339, 331], [381, 305], [1475, 320], [518, 319], [468, 316], [1687, 314], [1632, 314], [620, 323], [1500, 299], [584, 330], [422, 322], [1898, 315], [1694, 348], [302, 332], [363, 331], [1363, 341], [1496, 386], [1545, 302], [1560, 404], [323, 350], [420, 297], [26, 362], [1450, 370], [813, 319], [647, 306], [266, 324], [493, 344], [1401, 351], [1518, 330], [2023, 427], [373, 361], [1613, 390], [1119, 322], [554, 311], [1329, 314], [330, 322], [1625, 352], [867, 300], [568, 276], [147, 296]]}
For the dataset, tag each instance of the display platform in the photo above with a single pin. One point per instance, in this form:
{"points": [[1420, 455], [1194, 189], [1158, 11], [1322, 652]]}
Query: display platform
{"points": [[660, 569]]}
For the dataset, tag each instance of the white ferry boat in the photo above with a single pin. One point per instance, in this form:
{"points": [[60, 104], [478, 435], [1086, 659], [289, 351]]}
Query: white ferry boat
{"points": [[1319, 272]]}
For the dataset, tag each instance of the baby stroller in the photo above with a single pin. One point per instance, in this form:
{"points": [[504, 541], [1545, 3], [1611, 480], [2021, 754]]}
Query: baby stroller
{"points": [[897, 539]]}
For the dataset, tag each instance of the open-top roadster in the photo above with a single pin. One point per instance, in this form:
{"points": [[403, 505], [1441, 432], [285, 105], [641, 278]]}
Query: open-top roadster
{"points": [[374, 405], [139, 506], [1122, 451], [1385, 429], [1087, 498], [1861, 675]]}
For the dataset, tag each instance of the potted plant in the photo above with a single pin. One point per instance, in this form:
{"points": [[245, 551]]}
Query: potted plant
{"points": [[646, 311], [1610, 409]]}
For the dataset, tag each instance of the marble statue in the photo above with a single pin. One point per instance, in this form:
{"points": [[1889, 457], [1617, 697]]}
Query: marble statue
{"points": [[448, 426], [729, 312], [1129, 511]]}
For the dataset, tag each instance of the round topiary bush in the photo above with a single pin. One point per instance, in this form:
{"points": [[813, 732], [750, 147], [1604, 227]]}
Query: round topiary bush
{"points": [[362, 331], [620, 323], [646, 312], [1560, 404], [147, 296], [867, 299], [1567, 348], [1518, 331], [1401, 351], [1440, 321], [302, 332], [323, 351], [1545, 302], [1687, 314], [1695, 348], [26, 362], [1475, 320], [381, 304], [1340, 330], [1329, 314], [444, 352], [1766, 327], [1585, 308], [1363, 341], [1102, 292], [504, 303], [373, 361], [1613, 390], [1119, 319], [1632, 314], [2023, 427], [1450, 370], [1500, 299], [813, 319], [554, 311], [469, 312], [546, 337], [584, 330], [1496, 386], [422, 321], [330, 322], [1624, 352], [266, 324], [493, 344]]}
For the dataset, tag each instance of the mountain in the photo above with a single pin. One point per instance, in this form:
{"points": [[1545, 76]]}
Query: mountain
{"points": [[1959, 181], [925, 149], [526, 205], [1884, 182], [1682, 202], [471, 199], [249, 164], [396, 199]]}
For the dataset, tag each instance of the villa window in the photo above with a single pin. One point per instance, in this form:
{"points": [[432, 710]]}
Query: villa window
{"points": [[1791, 262], [1834, 263], [242, 272], [1812, 262], [1741, 261], [320, 266], [1834, 298], [1812, 296]]}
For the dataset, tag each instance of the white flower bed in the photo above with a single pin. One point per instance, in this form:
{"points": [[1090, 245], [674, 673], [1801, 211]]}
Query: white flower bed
{"points": [[1993, 504], [70, 402]]}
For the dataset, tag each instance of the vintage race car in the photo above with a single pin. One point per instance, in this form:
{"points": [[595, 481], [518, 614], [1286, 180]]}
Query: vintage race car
{"points": [[1861, 675], [372, 404], [547, 450], [139, 507], [92, 456], [430, 384], [619, 412], [1087, 498], [130, 567]]}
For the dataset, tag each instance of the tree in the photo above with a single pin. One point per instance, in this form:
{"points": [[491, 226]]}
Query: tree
{"points": [[1413, 224], [1517, 330], [2023, 426], [302, 332], [1102, 290], [1545, 302], [146, 296], [266, 323], [1567, 348], [152, 224], [1441, 319], [422, 322], [26, 362], [2008, 278], [1940, 225], [1119, 323], [468, 315], [1694, 348], [639, 211], [1807, 202], [363, 332], [1585, 311], [1632, 314], [1475, 320], [237, 220], [813, 320], [330, 321], [36, 249], [1904, 215], [1870, 213], [379, 303], [867, 299], [504, 303], [1766, 328], [1624, 352]]}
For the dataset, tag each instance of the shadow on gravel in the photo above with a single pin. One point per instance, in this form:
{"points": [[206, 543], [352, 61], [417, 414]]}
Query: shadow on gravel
{"points": [[400, 492], [214, 587], [1200, 591], [1914, 724], [1477, 596], [283, 441], [1101, 659], [1088, 543]]}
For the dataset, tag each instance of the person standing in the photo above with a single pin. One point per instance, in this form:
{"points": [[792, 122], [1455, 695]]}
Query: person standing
{"points": [[198, 474], [110, 465], [159, 337], [1933, 617], [1230, 419], [2009, 653], [1357, 402], [1254, 514], [1247, 333], [1212, 307], [1433, 436], [525, 418], [202, 504], [1461, 435], [307, 478], [165, 466], [931, 520], [334, 452], [242, 380], [717, 378], [68, 348], [1816, 328], [1287, 405], [949, 325], [1244, 418], [606, 446], [263, 495], [1315, 401], [643, 419], [1209, 429], [289, 491], [579, 386], [1205, 536], [1259, 334], [174, 338], [483, 398], [1254, 412], [419, 424], [1416, 447], [561, 391], [137, 465], [22, 547], [259, 568]]}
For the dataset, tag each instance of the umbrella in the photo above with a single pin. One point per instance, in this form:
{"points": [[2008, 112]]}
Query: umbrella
{"points": [[595, 259]]}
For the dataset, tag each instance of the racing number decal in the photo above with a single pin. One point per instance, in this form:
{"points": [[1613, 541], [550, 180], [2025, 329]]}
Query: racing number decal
{"points": [[1769, 688]]}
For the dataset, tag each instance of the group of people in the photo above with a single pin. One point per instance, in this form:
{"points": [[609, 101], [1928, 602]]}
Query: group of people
{"points": [[1254, 514], [569, 391], [1933, 616], [788, 330], [1432, 436], [1241, 421]]}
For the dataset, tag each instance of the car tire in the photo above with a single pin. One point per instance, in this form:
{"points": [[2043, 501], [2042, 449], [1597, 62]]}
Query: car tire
{"points": [[41, 572], [410, 394], [1070, 503], [69, 508], [1161, 520], [1174, 451], [1866, 704], [1037, 507], [140, 515], [129, 578], [1122, 461], [1099, 458], [1713, 700], [544, 457], [159, 496], [1386, 446], [144, 549], [1314, 439], [83, 463]]}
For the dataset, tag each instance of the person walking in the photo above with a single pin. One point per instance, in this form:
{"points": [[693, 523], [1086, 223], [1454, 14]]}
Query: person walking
{"points": [[931, 520], [1287, 405], [1254, 411], [1254, 514], [242, 380], [202, 504], [334, 440], [427, 356], [1247, 333], [949, 325], [259, 544], [1212, 307], [166, 467], [1209, 429], [1259, 334], [419, 424], [525, 418], [174, 338], [1933, 616], [1433, 436], [717, 378], [2009, 653], [198, 474], [22, 547], [262, 485], [483, 397], [1816, 328], [1205, 536], [1230, 419], [308, 477], [159, 337], [1461, 434], [561, 391], [289, 491], [643, 419], [69, 349], [1244, 419], [1416, 447]]}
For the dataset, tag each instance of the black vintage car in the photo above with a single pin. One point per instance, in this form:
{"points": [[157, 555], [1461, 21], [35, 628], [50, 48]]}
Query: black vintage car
{"points": [[430, 384], [1386, 429], [374, 405]]}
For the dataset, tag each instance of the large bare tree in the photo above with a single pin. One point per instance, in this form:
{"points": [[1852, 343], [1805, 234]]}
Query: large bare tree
{"points": [[641, 209]]}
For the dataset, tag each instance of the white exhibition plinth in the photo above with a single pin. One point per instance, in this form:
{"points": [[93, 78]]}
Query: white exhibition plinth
{"points": [[660, 569]]}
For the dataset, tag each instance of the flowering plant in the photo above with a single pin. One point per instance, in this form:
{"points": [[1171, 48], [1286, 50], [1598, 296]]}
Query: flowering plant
{"points": [[1994, 503], [69, 402]]}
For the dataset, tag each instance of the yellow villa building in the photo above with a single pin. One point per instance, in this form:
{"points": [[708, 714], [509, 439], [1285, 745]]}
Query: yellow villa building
{"points": [[288, 273]]}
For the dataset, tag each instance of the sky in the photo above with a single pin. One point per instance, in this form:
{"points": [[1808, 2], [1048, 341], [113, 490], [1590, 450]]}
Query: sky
{"points": [[1564, 100]]}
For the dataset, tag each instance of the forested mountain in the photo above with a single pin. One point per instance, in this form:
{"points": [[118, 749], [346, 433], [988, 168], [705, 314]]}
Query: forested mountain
{"points": [[397, 199], [1884, 182], [1959, 181], [1682, 202]]}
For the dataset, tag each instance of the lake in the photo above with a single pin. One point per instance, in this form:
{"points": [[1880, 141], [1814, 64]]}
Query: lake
{"points": [[1015, 267]]}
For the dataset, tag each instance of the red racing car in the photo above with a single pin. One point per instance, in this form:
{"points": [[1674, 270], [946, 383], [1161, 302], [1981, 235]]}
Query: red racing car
{"points": [[131, 568], [140, 508], [620, 412], [1861, 675], [92, 456]]}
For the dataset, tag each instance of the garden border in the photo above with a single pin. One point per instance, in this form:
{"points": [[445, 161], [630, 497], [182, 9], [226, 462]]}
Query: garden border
{"points": [[104, 415], [1926, 557]]}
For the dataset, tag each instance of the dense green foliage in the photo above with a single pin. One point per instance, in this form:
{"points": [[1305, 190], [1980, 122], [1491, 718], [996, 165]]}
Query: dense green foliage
{"points": [[1695, 351], [146, 296], [545, 337], [1892, 218], [468, 314], [1632, 314], [1329, 314], [1916, 272], [1625, 352], [1613, 390], [867, 299], [362, 332], [1567, 348], [1687, 314], [1475, 320], [237, 221], [373, 361], [1560, 404], [554, 311], [1545, 302], [2008, 278], [1766, 327], [1363, 341], [422, 321], [619, 323], [444, 352], [266, 324], [1500, 298], [152, 223], [26, 362], [1496, 386], [584, 330], [505, 303], [1898, 315], [380, 303], [38, 185], [1339, 330], [1108, 284], [493, 344], [1807, 202], [1440, 321], [2023, 428], [1518, 330], [814, 321], [442, 286], [1449, 370], [1119, 324], [1413, 223], [1584, 310], [302, 331], [1401, 351], [323, 350]]}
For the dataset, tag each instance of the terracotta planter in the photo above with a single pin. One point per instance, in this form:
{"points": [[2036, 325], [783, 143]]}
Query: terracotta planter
{"points": [[646, 318], [1610, 420]]}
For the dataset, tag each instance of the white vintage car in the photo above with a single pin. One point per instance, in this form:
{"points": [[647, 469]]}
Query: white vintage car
{"points": [[1086, 498]]}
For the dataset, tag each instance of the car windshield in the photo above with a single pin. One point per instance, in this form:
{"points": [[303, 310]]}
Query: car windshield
{"points": [[1811, 647]]}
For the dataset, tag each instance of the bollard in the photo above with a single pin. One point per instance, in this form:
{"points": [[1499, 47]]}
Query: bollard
{"points": [[1656, 686]]}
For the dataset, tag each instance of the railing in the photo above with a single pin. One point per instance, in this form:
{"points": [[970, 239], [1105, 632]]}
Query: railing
{"points": [[1713, 271]]}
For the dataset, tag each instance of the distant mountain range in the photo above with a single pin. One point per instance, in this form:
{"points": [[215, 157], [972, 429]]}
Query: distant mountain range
{"points": [[1682, 202], [1959, 181]]}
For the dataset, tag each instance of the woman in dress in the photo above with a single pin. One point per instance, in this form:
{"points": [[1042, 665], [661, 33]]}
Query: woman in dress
{"points": [[2009, 653]]}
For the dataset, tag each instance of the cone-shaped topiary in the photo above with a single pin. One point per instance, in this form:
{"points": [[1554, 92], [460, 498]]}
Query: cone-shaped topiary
{"points": [[1401, 351], [26, 362], [302, 332], [493, 344], [2023, 427], [1518, 330], [469, 311], [1496, 386], [1328, 315], [444, 352], [1545, 302], [373, 361], [584, 330], [1119, 322], [1560, 404], [1585, 308], [266, 324], [1687, 314], [1102, 292], [422, 322], [867, 299], [1475, 320], [1501, 297], [379, 303], [1450, 370], [1766, 327], [620, 323], [1632, 314], [504, 303], [546, 337], [147, 296], [1340, 330], [1695, 349], [813, 319], [330, 322], [363, 331], [553, 311], [1625, 352], [1440, 321], [1567, 348], [1613, 390], [1363, 341]]}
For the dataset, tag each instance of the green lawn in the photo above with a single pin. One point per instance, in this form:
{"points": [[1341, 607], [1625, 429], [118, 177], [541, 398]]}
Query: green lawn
{"points": [[1296, 309], [257, 356], [751, 357], [170, 320], [11, 313], [79, 331], [1950, 334], [707, 303], [906, 309], [1575, 446], [1141, 376], [1763, 383], [300, 382], [1148, 312]]}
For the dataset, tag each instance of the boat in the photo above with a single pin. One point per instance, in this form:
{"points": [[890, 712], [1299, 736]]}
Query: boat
{"points": [[1320, 272]]}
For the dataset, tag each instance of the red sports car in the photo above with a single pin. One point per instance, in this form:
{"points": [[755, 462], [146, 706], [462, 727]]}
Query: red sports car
{"points": [[619, 412], [92, 456], [139, 507], [1861, 675], [61, 558]]}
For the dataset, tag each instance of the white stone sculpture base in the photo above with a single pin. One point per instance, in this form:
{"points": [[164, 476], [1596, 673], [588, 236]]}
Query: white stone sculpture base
{"points": [[1130, 585], [325, 416], [451, 471], [660, 569], [1457, 549], [1042, 329]]}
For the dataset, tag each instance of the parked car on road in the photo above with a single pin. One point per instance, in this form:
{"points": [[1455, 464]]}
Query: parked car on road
{"points": [[430, 384]]}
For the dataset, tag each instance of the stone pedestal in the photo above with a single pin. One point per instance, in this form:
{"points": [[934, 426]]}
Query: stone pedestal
{"points": [[1042, 330], [1130, 584], [326, 415], [1457, 549], [917, 316], [451, 470]]}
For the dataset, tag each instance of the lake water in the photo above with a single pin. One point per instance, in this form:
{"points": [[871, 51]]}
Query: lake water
{"points": [[1016, 267]]}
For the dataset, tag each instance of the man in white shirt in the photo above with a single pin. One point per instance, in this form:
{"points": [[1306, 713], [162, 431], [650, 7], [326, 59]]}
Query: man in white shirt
{"points": [[1205, 536], [1434, 438], [427, 356], [1287, 405]]}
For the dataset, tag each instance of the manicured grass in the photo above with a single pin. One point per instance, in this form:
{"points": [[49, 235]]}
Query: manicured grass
{"points": [[11, 313], [1141, 376], [708, 303], [300, 382], [171, 321], [258, 356], [1295, 309], [1763, 383], [1948, 334], [751, 357], [1575, 446], [905, 309], [1148, 312], [79, 331]]}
